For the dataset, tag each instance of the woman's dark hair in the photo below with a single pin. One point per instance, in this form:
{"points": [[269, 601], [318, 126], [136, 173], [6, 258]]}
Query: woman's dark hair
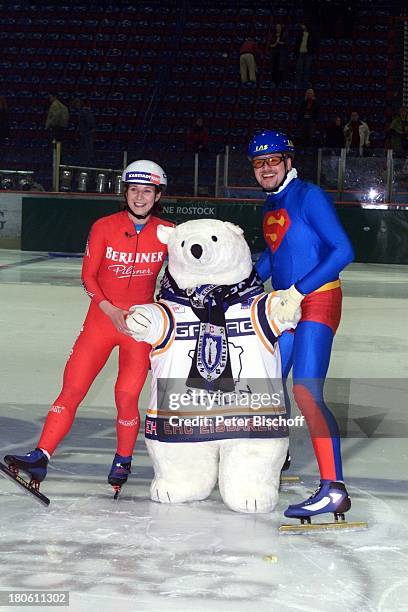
{"points": [[157, 207]]}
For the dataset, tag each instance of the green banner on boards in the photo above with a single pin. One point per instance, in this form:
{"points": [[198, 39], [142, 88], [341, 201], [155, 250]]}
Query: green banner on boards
{"points": [[245, 213], [61, 223]]}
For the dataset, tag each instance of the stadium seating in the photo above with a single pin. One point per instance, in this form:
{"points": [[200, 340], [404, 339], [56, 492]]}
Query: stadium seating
{"points": [[159, 65]]}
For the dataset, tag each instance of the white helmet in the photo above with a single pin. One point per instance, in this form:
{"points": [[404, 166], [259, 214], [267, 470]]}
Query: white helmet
{"points": [[145, 172]]}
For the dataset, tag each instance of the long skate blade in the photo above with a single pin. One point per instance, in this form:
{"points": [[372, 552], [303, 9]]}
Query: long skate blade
{"points": [[289, 480], [39, 497], [320, 527]]}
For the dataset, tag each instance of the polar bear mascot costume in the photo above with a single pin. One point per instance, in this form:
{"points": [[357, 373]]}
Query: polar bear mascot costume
{"points": [[217, 407]]}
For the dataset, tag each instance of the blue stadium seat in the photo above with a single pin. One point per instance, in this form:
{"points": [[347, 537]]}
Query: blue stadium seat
{"points": [[39, 65], [280, 116], [135, 97], [13, 78], [261, 115]]}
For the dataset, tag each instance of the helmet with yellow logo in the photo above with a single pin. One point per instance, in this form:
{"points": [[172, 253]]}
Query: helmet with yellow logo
{"points": [[269, 142]]}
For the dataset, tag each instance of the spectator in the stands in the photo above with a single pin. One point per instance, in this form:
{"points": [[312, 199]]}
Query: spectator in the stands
{"points": [[334, 139], [356, 134], [307, 118], [278, 47], [248, 55], [4, 124], [305, 47], [198, 137], [86, 129], [57, 118], [34, 186], [399, 132]]}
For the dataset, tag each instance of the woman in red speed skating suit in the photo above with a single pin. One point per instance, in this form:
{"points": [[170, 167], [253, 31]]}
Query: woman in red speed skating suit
{"points": [[122, 260]]}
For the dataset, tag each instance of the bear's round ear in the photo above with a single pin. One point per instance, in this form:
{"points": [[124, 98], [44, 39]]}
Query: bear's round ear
{"points": [[234, 228], [164, 232]]}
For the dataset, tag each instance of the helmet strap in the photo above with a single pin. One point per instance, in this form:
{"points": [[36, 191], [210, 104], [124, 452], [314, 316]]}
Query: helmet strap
{"points": [[132, 212]]}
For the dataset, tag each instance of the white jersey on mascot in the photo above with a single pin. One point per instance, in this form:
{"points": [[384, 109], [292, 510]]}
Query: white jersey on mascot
{"points": [[216, 407]]}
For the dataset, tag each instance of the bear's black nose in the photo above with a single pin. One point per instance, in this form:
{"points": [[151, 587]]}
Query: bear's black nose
{"points": [[196, 250]]}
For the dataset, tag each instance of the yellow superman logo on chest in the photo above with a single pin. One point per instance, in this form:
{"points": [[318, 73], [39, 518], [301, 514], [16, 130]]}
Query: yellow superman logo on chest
{"points": [[275, 225]]}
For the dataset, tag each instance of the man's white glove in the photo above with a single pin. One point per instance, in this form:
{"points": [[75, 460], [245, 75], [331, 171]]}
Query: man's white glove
{"points": [[289, 305], [274, 306]]}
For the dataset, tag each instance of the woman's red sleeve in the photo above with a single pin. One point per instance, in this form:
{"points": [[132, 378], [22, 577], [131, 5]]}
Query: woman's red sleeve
{"points": [[94, 253]]}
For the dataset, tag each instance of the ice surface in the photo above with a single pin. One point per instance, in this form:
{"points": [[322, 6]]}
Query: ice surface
{"points": [[136, 555]]}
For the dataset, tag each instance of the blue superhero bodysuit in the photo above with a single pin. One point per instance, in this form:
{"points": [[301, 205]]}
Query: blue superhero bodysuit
{"points": [[308, 247]]}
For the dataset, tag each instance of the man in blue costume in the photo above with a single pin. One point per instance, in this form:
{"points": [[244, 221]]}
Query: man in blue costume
{"points": [[307, 249]]}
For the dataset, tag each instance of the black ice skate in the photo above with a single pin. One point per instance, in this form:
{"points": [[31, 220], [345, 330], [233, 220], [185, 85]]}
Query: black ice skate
{"points": [[287, 462], [119, 473], [34, 464], [288, 479]]}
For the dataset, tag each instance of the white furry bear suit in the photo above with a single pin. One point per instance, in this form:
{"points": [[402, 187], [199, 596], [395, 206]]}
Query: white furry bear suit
{"points": [[214, 354]]}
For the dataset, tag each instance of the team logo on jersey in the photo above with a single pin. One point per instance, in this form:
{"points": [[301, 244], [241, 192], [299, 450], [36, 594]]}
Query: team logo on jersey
{"points": [[247, 304], [178, 308], [275, 225], [212, 351]]}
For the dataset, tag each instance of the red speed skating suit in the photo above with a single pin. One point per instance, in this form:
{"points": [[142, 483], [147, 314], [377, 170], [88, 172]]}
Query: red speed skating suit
{"points": [[121, 266]]}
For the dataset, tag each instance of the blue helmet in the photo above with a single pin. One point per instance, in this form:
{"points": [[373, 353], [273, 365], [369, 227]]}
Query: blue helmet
{"points": [[269, 141]]}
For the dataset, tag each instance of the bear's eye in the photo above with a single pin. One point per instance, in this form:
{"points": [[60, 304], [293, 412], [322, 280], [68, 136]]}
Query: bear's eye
{"points": [[214, 238], [182, 244]]}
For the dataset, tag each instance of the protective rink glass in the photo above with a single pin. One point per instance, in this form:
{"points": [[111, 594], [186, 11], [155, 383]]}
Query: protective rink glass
{"points": [[274, 160]]}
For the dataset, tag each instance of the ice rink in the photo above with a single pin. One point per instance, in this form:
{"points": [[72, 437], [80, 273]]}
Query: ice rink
{"points": [[136, 555]]}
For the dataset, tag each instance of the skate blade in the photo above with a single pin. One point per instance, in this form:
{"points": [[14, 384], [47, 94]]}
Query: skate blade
{"points": [[289, 480], [320, 527], [9, 474], [117, 491]]}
